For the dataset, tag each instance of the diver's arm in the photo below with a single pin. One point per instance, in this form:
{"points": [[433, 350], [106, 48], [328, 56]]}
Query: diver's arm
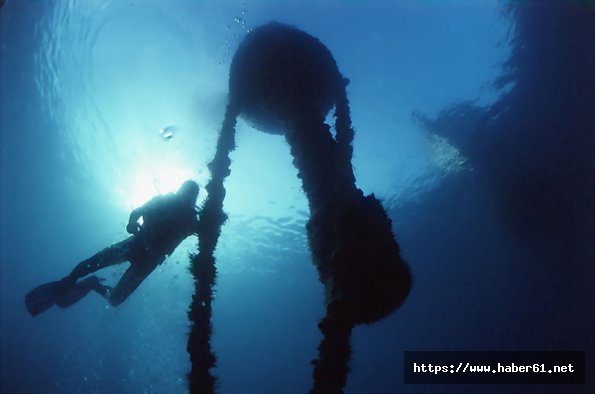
{"points": [[133, 227]]}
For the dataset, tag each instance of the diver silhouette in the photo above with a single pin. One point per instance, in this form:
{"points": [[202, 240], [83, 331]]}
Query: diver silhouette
{"points": [[167, 220]]}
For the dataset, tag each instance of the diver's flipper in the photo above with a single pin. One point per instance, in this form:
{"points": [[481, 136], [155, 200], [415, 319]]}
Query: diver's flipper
{"points": [[41, 298], [62, 293], [68, 295]]}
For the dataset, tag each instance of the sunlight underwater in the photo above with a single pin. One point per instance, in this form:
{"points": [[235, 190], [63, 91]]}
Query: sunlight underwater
{"points": [[136, 94]]}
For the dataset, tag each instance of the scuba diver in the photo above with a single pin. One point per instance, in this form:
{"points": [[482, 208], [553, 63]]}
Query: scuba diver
{"points": [[167, 220]]}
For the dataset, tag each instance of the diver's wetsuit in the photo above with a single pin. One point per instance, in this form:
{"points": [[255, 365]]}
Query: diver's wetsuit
{"points": [[167, 221]]}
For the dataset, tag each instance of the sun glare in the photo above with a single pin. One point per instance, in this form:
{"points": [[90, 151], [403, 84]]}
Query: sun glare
{"points": [[148, 182]]}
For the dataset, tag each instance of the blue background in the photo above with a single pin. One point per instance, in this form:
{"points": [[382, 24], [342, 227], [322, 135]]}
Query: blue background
{"points": [[88, 85]]}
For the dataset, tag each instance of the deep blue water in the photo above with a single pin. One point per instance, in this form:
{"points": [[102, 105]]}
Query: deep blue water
{"points": [[87, 86]]}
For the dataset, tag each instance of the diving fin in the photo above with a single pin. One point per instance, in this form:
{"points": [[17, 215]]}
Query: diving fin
{"points": [[63, 293], [41, 298], [69, 294]]}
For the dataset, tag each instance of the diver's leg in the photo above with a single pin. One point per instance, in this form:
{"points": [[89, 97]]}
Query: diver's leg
{"points": [[111, 255], [131, 279]]}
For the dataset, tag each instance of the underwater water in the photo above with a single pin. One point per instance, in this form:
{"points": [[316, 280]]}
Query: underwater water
{"points": [[107, 103]]}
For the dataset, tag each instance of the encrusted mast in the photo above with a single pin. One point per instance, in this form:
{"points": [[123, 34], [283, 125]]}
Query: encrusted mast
{"points": [[285, 81]]}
